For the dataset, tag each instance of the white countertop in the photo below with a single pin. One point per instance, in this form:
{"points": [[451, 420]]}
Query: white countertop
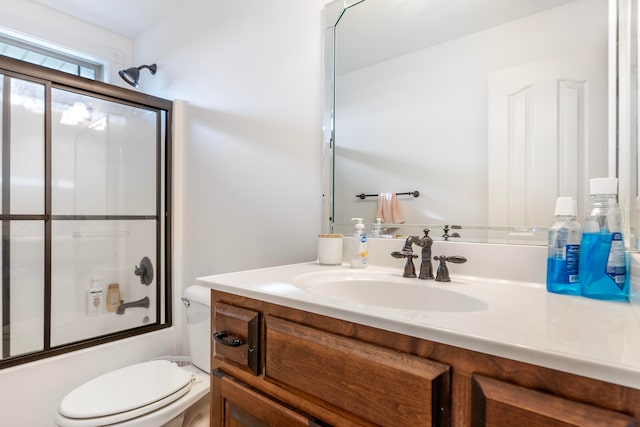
{"points": [[520, 321]]}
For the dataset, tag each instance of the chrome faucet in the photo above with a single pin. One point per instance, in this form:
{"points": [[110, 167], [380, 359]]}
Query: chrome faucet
{"points": [[142, 303]]}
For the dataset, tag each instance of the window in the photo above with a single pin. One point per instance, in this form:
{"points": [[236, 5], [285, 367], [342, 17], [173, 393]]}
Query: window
{"points": [[84, 199], [49, 58]]}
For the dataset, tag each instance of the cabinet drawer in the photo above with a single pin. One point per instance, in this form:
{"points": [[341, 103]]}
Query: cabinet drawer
{"points": [[497, 403], [236, 335], [236, 404], [382, 386]]}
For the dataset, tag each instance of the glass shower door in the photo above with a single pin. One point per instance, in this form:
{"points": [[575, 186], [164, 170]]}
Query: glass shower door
{"points": [[22, 165], [105, 219], [85, 213]]}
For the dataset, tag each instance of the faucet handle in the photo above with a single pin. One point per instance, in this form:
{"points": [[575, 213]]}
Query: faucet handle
{"points": [[403, 254], [446, 234], [409, 268], [443, 270]]}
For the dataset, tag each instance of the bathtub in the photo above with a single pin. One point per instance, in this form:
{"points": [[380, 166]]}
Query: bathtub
{"points": [[27, 335]]}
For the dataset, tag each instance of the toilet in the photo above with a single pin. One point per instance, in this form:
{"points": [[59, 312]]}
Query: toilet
{"points": [[164, 392]]}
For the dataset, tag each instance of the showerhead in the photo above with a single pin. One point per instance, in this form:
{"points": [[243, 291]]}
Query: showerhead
{"points": [[132, 75]]}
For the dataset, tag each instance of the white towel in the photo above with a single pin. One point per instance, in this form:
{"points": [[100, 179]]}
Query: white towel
{"points": [[388, 209]]}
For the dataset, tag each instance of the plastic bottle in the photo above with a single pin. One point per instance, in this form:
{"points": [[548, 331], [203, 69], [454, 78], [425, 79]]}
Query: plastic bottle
{"points": [[113, 297], [376, 229], [359, 245], [564, 249], [94, 298], [603, 269]]}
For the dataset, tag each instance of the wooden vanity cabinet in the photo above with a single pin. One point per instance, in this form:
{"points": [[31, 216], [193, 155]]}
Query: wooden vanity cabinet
{"points": [[496, 403], [383, 386], [315, 370], [236, 404]]}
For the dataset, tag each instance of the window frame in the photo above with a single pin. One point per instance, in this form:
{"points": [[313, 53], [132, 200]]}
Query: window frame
{"points": [[51, 78], [97, 67]]}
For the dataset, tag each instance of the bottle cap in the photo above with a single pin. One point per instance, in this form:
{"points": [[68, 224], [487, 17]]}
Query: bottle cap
{"points": [[565, 206], [603, 186]]}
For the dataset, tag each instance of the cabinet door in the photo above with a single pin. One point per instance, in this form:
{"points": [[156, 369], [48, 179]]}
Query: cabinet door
{"points": [[376, 384], [496, 403], [235, 404], [236, 335]]}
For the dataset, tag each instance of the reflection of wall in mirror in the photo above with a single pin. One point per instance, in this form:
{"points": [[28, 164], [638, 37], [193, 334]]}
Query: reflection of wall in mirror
{"points": [[420, 120]]}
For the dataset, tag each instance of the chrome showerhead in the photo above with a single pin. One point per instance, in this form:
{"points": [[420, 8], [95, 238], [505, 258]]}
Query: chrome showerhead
{"points": [[132, 75]]}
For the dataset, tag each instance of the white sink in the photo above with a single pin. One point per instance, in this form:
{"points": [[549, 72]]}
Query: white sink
{"points": [[383, 289]]}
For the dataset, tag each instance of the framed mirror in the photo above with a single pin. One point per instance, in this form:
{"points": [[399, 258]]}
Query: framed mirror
{"points": [[489, 109]]}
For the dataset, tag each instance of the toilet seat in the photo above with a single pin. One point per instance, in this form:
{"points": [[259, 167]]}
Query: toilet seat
{"points": [[124, 394]]}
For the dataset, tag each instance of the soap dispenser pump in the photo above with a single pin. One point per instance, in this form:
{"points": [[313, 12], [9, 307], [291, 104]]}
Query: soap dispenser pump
{"points": [[359, 245]]}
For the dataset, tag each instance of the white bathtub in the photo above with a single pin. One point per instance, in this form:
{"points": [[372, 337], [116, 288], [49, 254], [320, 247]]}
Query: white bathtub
{"points": [[27, 335]]}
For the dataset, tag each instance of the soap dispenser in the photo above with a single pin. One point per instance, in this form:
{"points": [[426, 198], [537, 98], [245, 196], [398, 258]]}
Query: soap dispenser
{"points": [[359, 245], [376, 229]]}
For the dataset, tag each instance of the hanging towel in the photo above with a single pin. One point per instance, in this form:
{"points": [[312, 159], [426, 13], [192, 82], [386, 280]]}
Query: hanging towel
{"points": [[388, 209], [396, 214], [384, 207]]}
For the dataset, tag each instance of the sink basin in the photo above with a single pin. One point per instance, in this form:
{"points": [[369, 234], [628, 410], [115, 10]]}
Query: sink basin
{"points": [[387, 290]]}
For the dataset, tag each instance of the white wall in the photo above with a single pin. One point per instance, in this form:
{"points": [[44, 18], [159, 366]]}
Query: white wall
{"points": [[251, 75], [249, 189], [26, 18]]}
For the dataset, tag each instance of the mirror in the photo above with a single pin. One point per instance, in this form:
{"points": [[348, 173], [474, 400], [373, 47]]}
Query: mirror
{"points": [[490, 109]]}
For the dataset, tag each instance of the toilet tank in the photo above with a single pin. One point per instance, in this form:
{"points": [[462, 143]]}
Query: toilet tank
{"points": [[198, 307]]}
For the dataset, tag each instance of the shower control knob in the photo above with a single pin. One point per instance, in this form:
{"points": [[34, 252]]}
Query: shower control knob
{"points": [[145, 271]]}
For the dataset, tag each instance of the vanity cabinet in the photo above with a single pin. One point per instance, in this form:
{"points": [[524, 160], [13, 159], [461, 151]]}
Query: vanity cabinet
{"points": [[376, 384], [315, 370], [497, 403], [240, 405]]}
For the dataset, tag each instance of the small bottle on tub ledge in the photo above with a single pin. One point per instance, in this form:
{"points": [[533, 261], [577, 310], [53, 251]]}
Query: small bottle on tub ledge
{"points": [[113, 297], [94, 298]]}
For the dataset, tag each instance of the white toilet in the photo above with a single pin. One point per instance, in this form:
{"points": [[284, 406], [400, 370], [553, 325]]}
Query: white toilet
{"points": [[158, 393]]}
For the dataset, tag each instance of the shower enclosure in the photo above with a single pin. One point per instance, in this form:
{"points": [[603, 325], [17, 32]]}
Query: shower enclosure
{"points": [[84, 170]]}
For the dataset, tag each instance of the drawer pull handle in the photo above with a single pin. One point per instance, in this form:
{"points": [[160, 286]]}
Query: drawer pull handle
{"points": [[224, 338]]}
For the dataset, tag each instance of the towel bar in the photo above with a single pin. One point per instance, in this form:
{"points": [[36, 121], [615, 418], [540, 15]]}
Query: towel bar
{"points": [[408, 193]]}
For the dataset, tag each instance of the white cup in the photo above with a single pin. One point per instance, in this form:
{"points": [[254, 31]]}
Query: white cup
{"points": [[330, 249]]}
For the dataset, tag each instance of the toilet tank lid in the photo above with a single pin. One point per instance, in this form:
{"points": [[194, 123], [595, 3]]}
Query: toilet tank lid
{"points": [[125, 389], [199, 294]]}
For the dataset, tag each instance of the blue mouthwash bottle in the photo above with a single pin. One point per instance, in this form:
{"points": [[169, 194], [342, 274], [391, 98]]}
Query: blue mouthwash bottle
{"points": [[564, 249], [603, 267]]}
